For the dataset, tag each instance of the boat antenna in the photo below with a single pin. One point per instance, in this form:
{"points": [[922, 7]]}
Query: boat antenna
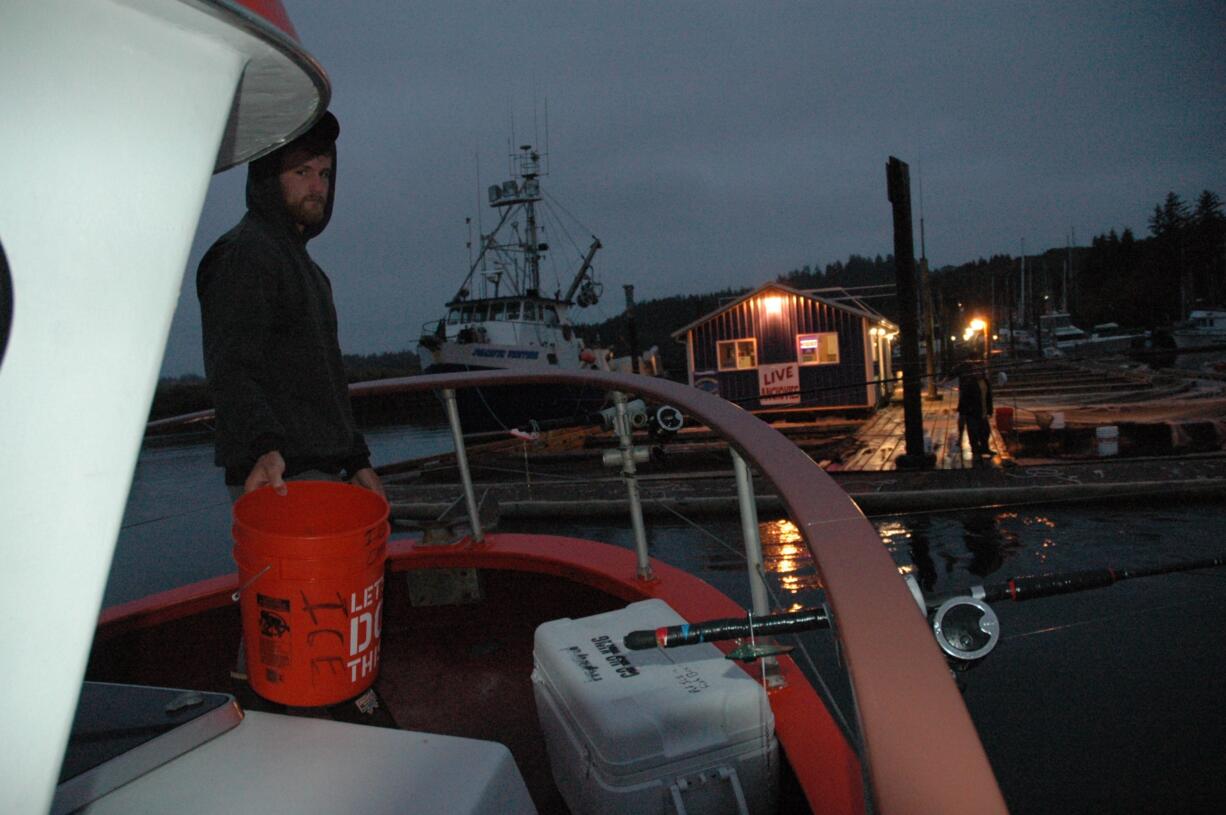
{"points": [[468, 243], [480, 233]]}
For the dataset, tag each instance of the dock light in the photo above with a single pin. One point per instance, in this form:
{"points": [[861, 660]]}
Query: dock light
{"points": [[774, 305], [978, 324]]}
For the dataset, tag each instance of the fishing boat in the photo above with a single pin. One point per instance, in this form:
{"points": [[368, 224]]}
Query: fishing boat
{"points": [[507, 666], [1204, 328], [232, 83], [132, 711], [500, 318]]}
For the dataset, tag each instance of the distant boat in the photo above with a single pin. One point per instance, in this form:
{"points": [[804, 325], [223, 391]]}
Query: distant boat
{"points": [[1203, 328], [500, 319], [1111, 338], [1057, 332]]}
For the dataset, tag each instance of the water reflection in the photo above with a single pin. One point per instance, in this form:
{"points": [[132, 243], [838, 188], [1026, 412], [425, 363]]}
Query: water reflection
{"points": [[785, 555]]}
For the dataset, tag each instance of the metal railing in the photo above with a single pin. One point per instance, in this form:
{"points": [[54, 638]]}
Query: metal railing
{"points": [[907, 704]]}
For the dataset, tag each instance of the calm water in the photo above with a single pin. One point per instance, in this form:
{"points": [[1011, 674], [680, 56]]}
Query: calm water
{"points": [[1106, 701]]}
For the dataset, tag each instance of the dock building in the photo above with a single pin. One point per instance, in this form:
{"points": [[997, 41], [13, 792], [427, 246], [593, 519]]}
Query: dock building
{"points": [[778, 349]]}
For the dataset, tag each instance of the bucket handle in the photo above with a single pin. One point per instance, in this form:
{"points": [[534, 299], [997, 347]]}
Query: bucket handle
{"points": [[238, 593]]}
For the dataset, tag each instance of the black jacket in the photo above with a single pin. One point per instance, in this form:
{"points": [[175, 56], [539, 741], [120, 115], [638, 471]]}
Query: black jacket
{"points": [[270, 345], [974, 395]]}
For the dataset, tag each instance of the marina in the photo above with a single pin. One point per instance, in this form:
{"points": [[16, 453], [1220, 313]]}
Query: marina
{"points": [[781, 581]]}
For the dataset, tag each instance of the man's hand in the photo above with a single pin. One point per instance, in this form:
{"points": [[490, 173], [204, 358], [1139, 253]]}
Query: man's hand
{"points": [[368, 478], [267, 472]]}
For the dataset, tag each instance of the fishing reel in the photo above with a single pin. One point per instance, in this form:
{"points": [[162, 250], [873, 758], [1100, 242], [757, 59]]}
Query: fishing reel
{"points": [[965, 627], [664, 421], [661, 424]]}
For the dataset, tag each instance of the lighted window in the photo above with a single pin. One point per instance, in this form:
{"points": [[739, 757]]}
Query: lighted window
{"points": [[735, 355], [818, 349]]}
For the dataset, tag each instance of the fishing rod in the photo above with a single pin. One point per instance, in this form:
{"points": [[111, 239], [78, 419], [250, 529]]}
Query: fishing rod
{"points": [[964, 625]]}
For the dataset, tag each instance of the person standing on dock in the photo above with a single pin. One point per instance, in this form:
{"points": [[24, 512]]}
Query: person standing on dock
{"points": [[975, 407], [271, 353]]}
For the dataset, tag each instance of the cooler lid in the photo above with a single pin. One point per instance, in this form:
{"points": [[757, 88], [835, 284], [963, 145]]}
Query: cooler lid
{"points": [[642, 709]]}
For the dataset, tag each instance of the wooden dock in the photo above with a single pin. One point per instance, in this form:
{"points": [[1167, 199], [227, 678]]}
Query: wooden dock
{"points": [[882, 439]]}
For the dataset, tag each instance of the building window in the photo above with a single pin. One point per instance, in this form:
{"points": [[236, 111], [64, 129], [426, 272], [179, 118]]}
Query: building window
{"points": [[735, 355], [818, 349]]}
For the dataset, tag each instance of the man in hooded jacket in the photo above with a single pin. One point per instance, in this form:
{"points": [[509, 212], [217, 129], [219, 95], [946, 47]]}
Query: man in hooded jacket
{"points": [[271, 353]]}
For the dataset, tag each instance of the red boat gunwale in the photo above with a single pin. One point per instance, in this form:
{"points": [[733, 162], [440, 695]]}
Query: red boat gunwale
{"points": [[822, 760]]}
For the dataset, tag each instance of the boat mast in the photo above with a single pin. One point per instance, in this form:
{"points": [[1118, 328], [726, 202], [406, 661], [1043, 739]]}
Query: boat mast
{"points": [[529, 168]]}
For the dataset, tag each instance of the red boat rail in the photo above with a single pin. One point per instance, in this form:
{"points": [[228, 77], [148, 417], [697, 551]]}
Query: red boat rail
{"points": [[907, 704]]}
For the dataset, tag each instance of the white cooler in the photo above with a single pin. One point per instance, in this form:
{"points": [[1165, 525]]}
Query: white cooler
{"points": [[660, 731]]}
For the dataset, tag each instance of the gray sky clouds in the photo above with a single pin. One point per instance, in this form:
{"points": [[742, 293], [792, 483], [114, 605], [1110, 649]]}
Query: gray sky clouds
{"points": [[720, 144]]}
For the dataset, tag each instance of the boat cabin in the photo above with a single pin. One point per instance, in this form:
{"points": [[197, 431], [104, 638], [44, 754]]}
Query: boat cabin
{"points": [[778, 349], [506, 321]]}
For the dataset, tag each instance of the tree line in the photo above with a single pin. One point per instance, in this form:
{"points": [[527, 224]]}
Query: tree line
{"points": [[1151, 282]]}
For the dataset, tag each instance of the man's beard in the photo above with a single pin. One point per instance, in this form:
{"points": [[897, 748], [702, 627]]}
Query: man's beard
{"points": [[307, 211]]}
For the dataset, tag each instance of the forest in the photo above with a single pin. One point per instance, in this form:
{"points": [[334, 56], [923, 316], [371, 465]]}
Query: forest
{"points": [[1149, 282]]}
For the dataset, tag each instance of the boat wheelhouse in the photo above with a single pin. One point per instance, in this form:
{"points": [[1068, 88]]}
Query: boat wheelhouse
{"points": [[1203, 328]]}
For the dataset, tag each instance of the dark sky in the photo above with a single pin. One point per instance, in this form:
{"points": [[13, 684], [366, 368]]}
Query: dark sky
{"points": [[712, 145]]}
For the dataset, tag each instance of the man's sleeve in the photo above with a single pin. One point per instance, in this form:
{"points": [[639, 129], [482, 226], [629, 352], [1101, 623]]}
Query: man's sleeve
{"points": [[236, 289]]}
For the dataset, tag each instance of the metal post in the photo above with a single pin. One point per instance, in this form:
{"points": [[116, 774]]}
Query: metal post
{"points": [[625, 445], [899, 188], [461, 457], [632, 331], [749, 531]]}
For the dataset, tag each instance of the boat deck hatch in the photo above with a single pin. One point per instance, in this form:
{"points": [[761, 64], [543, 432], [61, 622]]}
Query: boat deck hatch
{"points": [[121, 732]]}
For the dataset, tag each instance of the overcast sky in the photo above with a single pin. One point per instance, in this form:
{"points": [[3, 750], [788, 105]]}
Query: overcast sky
{"points": [[712, 145]]}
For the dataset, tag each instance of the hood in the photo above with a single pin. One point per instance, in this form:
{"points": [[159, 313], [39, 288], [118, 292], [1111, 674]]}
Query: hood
{"points": [[264, 189]]}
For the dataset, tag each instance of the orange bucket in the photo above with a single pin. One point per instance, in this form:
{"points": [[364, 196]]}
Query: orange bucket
{"points": [[310, 571], [1004, 419]]}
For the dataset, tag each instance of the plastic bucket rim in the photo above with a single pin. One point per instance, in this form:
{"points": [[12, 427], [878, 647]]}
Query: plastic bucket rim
{"points": [[357, 528]]}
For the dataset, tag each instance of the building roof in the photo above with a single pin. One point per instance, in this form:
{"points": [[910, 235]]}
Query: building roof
{"points": [[860, 309]]}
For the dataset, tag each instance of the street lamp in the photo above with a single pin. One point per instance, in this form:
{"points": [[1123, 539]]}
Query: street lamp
{"points": [[976, 325]]}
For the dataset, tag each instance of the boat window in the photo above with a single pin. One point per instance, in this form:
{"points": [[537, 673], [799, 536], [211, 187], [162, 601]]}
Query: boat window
{"points": [[735, 355], [818, 349], [550, 315], [479, 313], [529, 311], [495, 311], [466, 316], [453, 316], [513, 310]]}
